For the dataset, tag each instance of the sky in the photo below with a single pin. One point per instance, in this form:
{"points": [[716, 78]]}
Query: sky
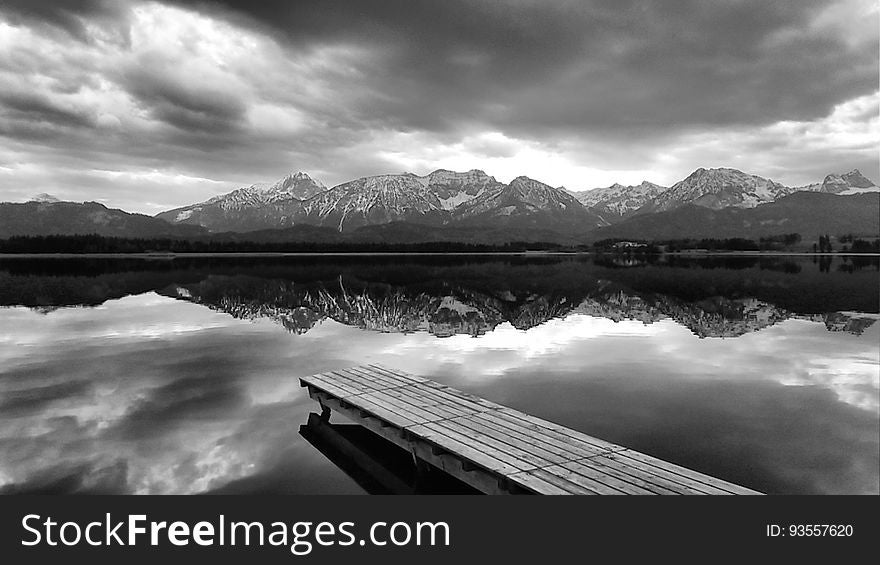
{"points": [[151, 105]]}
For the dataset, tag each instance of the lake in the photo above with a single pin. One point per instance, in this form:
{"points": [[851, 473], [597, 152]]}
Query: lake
{"points": [[180, 375]]}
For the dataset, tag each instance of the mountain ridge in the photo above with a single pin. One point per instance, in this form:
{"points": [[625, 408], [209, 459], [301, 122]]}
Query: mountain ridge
{"points": [[617, 201], [720, 188], [715, 189], [807, 213], [448, 204], [247, 206], [441, 197], [75, 218]]}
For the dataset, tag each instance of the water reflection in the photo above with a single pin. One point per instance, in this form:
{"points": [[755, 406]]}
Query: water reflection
{"points": [[376, 465], [461, 310], [176, 377], [713, 297]]}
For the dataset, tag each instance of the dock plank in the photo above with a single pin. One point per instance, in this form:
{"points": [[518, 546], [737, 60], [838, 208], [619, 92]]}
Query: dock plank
{"points": [[546, 436], [566, 451], [464, 447], [538, 485], [684, 474], [424, 403], [478, 439], [428, 412], [414, 379], [416, 415], [338, 389], [513, 454], [581, 485], [377, 378], [546, 456], [482, 443], [390, 416], [362, 382], [566, 434], [630, 483]]}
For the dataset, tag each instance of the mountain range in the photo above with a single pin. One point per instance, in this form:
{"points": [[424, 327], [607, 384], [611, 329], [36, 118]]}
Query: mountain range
{"points": [[806, 213], [850, 183], [439, 198], [710, 188], [464, 206], [617, 201]]}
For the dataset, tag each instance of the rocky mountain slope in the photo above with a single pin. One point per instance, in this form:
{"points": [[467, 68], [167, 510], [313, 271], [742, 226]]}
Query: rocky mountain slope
{"points": [[710, 188], [807, 213], [382, 199], [250, 208], [71, 218], [373, 200], [617, 201], [719, 188], [846, 184], [527, 202], [453, 189]]}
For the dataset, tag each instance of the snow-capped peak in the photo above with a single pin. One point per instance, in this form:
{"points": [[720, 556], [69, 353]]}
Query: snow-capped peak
{"points": [[618, 199], [719, 188], [453, 188], [446, 177], [297, 185], [852, 182]]}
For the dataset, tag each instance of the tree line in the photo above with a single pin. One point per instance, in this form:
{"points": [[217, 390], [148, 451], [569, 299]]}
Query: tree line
{"points": [[88, 244], [772, 243], [782, 242]]}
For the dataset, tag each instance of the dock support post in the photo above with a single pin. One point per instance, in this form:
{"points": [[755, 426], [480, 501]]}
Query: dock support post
{"points": [[325, 412], [423, 469]]}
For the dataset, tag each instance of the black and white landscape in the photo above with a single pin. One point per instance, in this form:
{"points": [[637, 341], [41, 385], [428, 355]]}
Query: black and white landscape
{"points": [[474, 207], [654, 223]]}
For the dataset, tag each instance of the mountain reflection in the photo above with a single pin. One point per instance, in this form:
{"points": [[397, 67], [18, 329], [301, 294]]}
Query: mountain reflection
{"points": [[712, 297], [465, 311]]}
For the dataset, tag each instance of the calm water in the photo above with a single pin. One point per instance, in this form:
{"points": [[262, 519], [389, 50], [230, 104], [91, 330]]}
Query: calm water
{"points": [[180, 376]]}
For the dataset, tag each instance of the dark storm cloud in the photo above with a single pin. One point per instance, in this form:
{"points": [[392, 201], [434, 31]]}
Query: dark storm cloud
{"points": [[524, 65], [69, 15], [34, 108], [549, 66], [188, 107]]}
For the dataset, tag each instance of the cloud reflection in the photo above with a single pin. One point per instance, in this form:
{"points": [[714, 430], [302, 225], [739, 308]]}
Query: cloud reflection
{"points": [[92, 405], [148, 394], [794, 352]]}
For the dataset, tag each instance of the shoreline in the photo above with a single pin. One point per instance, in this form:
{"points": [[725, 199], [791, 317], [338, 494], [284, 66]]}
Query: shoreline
{"points": [[414, 253]]}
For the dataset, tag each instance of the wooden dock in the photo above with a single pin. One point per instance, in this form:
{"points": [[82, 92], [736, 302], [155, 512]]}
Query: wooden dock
{"points": [[493, 448]]}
